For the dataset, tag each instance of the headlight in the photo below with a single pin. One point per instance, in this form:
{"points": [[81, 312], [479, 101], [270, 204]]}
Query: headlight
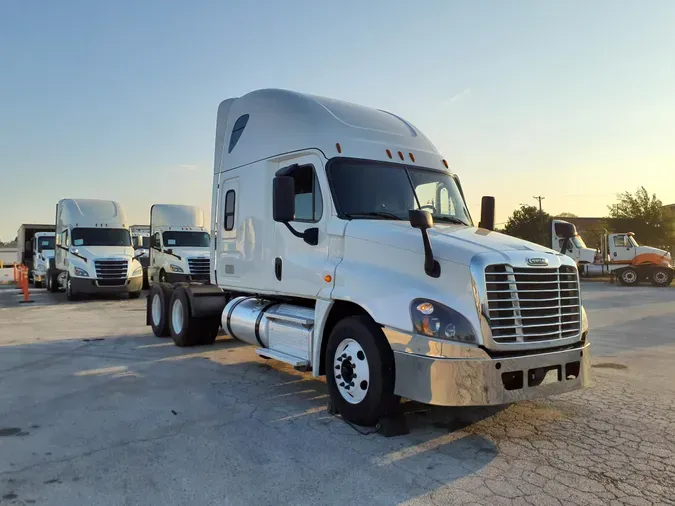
{"points": [[436, 320], [175, 268], [80, 272], [138, 271]]}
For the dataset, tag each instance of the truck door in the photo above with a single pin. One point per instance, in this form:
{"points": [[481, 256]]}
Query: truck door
{"points": [[299, 268], [155, 259], [621, 249], [229, 249]]}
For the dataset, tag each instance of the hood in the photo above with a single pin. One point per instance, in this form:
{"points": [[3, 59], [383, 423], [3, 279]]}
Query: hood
{"points": [[46, 254], [455, 243], [641, 250], [99, 252], [190, 252]]}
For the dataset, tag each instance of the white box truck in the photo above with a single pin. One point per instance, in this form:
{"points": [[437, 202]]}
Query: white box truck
{"points": [[179, 244], [341, 243], [93, 250], [28, 250]]}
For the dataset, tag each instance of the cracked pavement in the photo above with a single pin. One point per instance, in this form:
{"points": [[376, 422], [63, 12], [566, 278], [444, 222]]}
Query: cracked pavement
{"points": [[132, 419]]}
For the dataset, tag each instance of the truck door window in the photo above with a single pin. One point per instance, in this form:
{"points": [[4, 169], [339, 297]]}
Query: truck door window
{"points": [[230, 197], [620, 241], [155, 240], [308, 200]]}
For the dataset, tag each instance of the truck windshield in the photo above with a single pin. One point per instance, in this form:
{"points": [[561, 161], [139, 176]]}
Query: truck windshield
{"points": [[378, 190], [186, 239], [101, 237], [141, 241], [578, 242], [45, 243]]}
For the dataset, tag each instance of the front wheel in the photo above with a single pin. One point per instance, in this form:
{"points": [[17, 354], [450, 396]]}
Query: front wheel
{"points": [[71, 295], [661, 277], [360, 371], [629, 277]]}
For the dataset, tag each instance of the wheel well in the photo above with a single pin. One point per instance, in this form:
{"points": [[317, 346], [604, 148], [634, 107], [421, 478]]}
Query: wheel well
{"points": [[340, 310]]}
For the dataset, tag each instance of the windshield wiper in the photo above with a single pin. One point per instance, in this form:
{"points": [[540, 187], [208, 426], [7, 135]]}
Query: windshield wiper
{"points": [[450, 219], [374, 214]]}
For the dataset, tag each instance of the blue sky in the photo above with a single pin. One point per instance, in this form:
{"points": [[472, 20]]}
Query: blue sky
{"points": [[573, 100]]}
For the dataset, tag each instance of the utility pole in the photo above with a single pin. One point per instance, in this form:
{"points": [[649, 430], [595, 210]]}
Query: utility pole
{"points": [[541, 216]]}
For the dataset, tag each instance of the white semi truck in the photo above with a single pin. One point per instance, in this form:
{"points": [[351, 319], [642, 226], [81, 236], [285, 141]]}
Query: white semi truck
{"points": [[179, 244], [43, 253], [93, 250], [618, 254], [140, 240], [31, 253], [573, 247], [341, 243]]}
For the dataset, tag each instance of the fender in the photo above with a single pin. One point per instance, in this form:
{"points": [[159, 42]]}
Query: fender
{"points": [[650, 258]]}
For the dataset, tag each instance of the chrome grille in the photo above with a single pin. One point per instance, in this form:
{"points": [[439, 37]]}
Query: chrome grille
{"points": [[533, 304], [111, 269], [199, 266]]}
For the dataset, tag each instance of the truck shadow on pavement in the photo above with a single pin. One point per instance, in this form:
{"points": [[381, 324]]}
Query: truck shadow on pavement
{"points": [[77, 403]]}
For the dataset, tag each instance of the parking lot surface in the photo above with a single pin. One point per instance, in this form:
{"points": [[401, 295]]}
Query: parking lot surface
{"points": [[96, 410]]}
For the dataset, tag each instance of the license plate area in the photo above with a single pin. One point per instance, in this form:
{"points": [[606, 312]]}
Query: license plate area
{"points": [[544, 375]]}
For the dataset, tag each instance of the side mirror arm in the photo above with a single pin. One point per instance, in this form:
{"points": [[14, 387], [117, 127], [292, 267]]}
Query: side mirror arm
{"points": [[310, 236]]}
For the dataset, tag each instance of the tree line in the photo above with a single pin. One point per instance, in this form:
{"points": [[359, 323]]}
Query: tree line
{"points": [[639, 212]]}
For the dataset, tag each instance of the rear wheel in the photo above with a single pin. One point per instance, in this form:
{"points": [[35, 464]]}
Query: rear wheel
{"points": [[185, 330], [52, 282], [360, 371], [629, 277], [660, 276], [210, 328], [158, 308]]}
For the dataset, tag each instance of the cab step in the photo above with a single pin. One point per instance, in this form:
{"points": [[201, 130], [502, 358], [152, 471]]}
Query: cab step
{"points": [[298, 363]]}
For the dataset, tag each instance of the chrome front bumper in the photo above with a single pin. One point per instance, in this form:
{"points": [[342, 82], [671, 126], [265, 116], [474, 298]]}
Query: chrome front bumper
{"points": [[489, 381]]}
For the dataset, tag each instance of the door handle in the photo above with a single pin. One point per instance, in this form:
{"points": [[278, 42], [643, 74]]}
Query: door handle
{"points": [[277, 268]]}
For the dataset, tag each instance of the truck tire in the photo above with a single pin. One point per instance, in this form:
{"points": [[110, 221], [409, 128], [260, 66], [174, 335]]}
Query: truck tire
{"points": [[629, 276], [185, 330], [360, 371], [71, 294], [158, 308], [209, 331], [52, 282], [660, 276]]}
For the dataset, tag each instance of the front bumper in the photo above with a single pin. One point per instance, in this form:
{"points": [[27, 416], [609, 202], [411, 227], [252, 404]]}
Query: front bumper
{"points": [[176, 277], [490, 381], [91, 286]]}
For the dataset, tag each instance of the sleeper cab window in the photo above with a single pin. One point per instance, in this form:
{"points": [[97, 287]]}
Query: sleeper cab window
{"points": [[237, 130], [230, 197], [308, 201]]}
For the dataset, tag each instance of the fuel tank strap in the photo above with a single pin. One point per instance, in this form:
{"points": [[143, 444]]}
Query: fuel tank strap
{"points": [[259, 319], [229, 316]]}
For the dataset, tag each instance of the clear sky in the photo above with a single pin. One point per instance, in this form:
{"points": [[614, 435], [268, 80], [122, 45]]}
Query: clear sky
{"points": [[573, 100]]}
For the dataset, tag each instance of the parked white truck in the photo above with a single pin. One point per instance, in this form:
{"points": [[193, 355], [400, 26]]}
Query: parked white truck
{"points": [[140, 240], [93, 250], [574, 247], [31, 253], [179, 244], [341, 243], [43, 253]]}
